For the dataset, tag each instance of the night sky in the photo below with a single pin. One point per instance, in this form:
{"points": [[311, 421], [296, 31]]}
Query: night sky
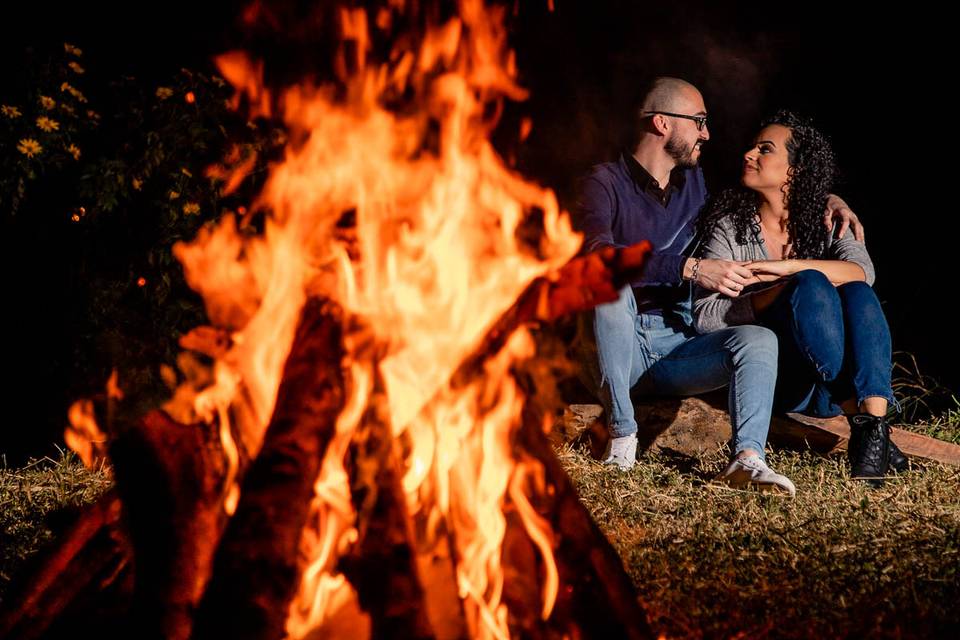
{"points": [[874, 82]]}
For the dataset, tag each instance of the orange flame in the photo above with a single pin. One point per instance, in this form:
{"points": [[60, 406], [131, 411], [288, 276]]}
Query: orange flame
{"points": [[83, 434], [436, 261]]}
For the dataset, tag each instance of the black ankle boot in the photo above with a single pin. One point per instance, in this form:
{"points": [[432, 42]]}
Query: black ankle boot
{"points": [[898, 460], [869, 448]]}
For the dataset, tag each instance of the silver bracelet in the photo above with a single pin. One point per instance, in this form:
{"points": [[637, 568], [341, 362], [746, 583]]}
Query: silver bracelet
{"points": [[696, 270]]}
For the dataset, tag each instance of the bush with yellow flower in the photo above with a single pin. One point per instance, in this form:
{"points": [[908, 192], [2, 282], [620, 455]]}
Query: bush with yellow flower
{"points": [[122, 166]]}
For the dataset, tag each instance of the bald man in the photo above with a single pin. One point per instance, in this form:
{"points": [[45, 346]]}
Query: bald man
{"points": [[645, 341]]}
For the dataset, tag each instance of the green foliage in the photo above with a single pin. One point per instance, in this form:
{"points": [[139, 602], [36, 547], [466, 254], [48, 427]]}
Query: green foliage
{"points": [[128, 168], [41, 132]]}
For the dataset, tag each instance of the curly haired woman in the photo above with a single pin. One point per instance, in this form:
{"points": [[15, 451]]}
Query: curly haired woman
{"points": [[811, 288]]}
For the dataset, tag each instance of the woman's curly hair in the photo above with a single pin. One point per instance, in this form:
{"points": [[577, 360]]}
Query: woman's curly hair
{"points": [[809, 180]]}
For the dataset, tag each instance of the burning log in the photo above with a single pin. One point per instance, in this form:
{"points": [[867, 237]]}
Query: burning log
{"points": [[393, 578], [582, 284], [170, 478], [256, 569], [596, 598], [395, 587], [89, 566]]}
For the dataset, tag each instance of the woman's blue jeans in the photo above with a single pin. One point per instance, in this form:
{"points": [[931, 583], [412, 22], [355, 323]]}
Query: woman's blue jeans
{"points": [[834, 345], [622, 350]]}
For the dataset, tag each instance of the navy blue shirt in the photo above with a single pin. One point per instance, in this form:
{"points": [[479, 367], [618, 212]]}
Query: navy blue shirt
{"points": [[618, 207]]}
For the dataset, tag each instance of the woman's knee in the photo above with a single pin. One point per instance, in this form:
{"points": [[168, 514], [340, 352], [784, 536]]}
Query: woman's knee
{"points": [[859, 297], [811, 284], [817, 314], [863, 312]]}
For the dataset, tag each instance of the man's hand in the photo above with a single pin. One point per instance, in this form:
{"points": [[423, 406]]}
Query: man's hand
{"points": [[837, 209], [726, 276]]}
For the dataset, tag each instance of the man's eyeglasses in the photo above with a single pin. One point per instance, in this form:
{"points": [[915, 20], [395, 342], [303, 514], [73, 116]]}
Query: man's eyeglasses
{"points": [[700, 120]]}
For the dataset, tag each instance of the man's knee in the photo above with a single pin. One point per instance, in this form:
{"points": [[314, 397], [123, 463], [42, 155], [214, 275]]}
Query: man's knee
{"points": [[754, 342], [620, 313]]}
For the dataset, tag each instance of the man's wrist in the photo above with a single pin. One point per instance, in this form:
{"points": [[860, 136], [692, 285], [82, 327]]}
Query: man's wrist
{"points": [[694, 269]]}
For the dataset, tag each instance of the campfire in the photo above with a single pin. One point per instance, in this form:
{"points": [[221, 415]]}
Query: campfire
{"points": [[357, 445]]}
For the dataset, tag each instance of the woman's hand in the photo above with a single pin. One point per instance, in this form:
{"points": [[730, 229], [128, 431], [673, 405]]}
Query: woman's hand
{"points": [[769, 270], [837, 271]]}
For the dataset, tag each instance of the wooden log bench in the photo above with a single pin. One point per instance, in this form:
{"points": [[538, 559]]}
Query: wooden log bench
{"points": [[696, 425]]}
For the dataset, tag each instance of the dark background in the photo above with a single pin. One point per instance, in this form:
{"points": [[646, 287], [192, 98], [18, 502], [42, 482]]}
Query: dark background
{"points": [[876, 82]]}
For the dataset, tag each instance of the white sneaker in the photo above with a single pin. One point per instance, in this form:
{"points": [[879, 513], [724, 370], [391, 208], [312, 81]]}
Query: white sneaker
{"points": [[751, 471], [621, 451]]}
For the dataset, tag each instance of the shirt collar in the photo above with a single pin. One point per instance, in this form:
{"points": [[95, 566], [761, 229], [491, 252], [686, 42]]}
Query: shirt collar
{"points": [[645, 182]]}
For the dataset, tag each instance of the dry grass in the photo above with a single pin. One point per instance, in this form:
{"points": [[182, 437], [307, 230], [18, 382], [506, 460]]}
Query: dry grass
{"points": [[839, 560], [36, 501], [928, 407]]}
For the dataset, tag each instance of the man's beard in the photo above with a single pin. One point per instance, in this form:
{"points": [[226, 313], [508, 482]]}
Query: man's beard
{"points": [[681, 152]]}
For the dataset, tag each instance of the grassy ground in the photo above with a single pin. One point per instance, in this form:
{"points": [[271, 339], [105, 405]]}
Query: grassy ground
{"points": [[839, 560], [35, 501]]}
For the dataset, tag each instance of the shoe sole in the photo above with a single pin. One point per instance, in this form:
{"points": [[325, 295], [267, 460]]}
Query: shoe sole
{"points": [[754, 487]]}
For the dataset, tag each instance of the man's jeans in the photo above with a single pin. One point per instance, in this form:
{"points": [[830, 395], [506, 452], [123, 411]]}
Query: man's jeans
{"points": [[627, 349], [834, 344]]}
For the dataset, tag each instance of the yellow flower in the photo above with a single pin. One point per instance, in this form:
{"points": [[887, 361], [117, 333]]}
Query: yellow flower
{"points": [[10, 112], [72, 91], [191, 208], [137, 183], [47, 102], [174, 195], [75, 67], [29, 147], [164, 92], [69, 48], [185, 172], [47, 124], [74, 150]]}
